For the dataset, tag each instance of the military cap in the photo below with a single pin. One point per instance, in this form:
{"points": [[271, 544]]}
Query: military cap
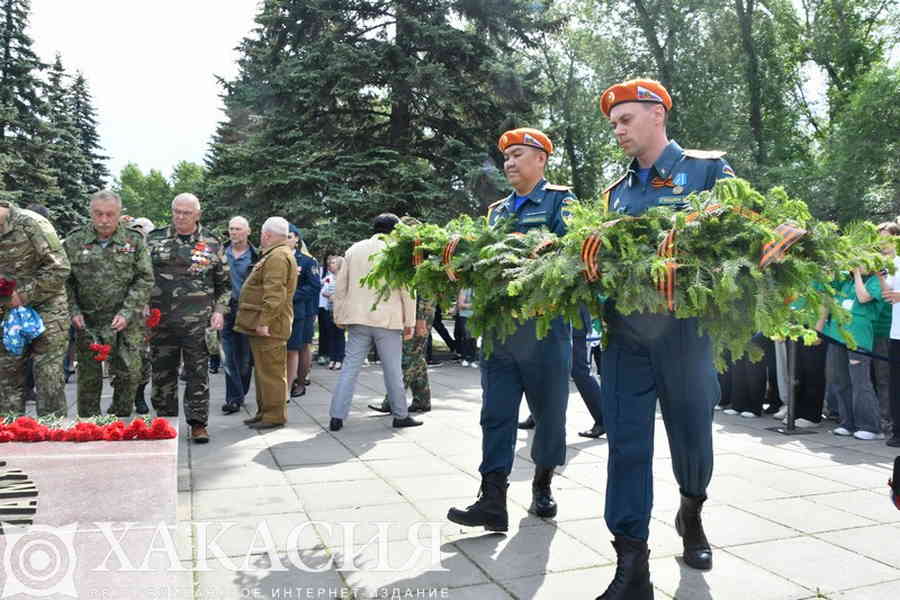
{"points": [[635, 90], [525, 136]]}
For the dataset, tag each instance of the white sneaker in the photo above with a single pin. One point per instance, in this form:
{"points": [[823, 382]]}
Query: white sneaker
{"points": [[782, 413], [749, 415], [730, 411], [868, 435], [474, 364], [803, 423], [841, 431], [717, 407], [465, 363]]}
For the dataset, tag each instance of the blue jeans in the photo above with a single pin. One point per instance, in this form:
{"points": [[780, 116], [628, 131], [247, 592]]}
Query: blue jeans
{"points": [[238, 368]]}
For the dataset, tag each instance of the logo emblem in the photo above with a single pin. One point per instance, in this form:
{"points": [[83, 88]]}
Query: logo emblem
{"points": [[611, 97], [645, 94], [680, 179]]}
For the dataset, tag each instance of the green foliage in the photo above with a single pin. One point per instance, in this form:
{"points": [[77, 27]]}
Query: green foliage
{"points": [[48, 140], [151, 195], [718, 246], [343, 110]]}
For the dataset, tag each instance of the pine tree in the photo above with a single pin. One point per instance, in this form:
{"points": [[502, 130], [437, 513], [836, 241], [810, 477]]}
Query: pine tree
{"points": [[346, 109], [23, 131], [85, 117], [67, 161]]}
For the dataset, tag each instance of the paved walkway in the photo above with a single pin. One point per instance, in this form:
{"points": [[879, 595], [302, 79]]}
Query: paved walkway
{"points": [[791, 518]]}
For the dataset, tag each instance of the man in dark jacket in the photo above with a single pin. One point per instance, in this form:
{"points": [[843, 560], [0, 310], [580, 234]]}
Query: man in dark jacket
{"points": [[241, 256]]}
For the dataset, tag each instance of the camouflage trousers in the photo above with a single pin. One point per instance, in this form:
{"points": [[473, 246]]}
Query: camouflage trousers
{"points": [[124, 368], [169, 347], [48, 353], [415, 371]]}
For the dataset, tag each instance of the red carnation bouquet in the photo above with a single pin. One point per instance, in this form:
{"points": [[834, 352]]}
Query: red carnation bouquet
{"points": [[26, 429], [153, 318], [101, 351], [7, 287]]}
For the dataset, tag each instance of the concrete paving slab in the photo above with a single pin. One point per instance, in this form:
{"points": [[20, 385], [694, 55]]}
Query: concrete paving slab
{"points": [[815, 564]]}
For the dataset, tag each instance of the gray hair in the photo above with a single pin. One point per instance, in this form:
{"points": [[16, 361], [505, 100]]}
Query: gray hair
{"points": [[277, 225], [242, 220], [187, 197], [106, 196]]}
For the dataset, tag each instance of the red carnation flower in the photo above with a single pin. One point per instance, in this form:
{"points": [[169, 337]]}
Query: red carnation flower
{"points": [[200, 247], [26, 423], [161, 429], [7, 436], [102, 351], [7, 286], [154, 318]]}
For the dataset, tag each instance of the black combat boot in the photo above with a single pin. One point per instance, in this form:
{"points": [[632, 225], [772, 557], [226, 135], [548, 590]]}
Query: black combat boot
{"points": [[542, 502], [489, 511], [140, 405], [697, 552], [632, 579]]}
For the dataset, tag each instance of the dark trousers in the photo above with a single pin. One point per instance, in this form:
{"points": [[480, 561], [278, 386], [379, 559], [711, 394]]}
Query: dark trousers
{"points": [[894, 354], [324, 333], [442, 331], [539, 369], [773, 397], [587, 385], [744, 385], [466, 345], [809, 395], [654, 356], [335, 337], [238, 360]]}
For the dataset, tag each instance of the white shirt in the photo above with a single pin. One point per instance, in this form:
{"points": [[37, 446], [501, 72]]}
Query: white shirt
{"points": [[893, 282], [328, 278]]}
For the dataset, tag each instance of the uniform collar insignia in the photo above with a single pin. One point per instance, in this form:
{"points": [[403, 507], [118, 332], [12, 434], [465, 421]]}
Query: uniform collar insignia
{"points": [[668, 159]]}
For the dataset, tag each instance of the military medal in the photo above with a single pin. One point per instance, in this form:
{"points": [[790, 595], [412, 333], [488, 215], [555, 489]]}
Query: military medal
{"points": [[677, 189]]}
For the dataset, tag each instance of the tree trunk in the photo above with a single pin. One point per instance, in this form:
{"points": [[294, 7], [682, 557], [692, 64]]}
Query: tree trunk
{"points": [[663, 63], [745, 19], [401, 94]]}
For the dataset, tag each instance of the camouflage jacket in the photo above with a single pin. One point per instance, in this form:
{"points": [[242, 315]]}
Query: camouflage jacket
{"points": [[191, 277], [425, 308], [108, 281], [31, 253]]}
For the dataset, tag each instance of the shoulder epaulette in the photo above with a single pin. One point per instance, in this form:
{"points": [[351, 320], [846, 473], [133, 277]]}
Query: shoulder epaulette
{"points": [[704, 154], [557, 188], [615, 183], [133, 231]]}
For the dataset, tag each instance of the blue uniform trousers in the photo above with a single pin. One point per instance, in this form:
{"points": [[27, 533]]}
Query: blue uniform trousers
{"points": [[654, 356], [539, 369]]}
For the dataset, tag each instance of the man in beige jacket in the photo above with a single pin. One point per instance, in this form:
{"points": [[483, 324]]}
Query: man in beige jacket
{"points": [[387, 325], [265, 313]]}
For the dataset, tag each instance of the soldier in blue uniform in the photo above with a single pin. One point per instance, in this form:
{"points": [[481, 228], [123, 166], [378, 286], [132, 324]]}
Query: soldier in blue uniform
{"points": [[522, 363], [655, 356]]}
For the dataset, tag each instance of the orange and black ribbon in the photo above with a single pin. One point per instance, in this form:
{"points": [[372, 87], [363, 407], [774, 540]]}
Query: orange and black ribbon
{"points": [[447, 256], [775, 250], [659, 182]]}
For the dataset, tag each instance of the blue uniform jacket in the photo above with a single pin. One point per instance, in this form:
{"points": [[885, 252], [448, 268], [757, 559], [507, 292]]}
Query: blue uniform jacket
{"points": [[545, 207], [674, 176], [309, 284]]}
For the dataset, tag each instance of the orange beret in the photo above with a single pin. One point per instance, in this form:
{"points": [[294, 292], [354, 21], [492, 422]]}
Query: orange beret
{"points": [[635, 90], [525, 136]]}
